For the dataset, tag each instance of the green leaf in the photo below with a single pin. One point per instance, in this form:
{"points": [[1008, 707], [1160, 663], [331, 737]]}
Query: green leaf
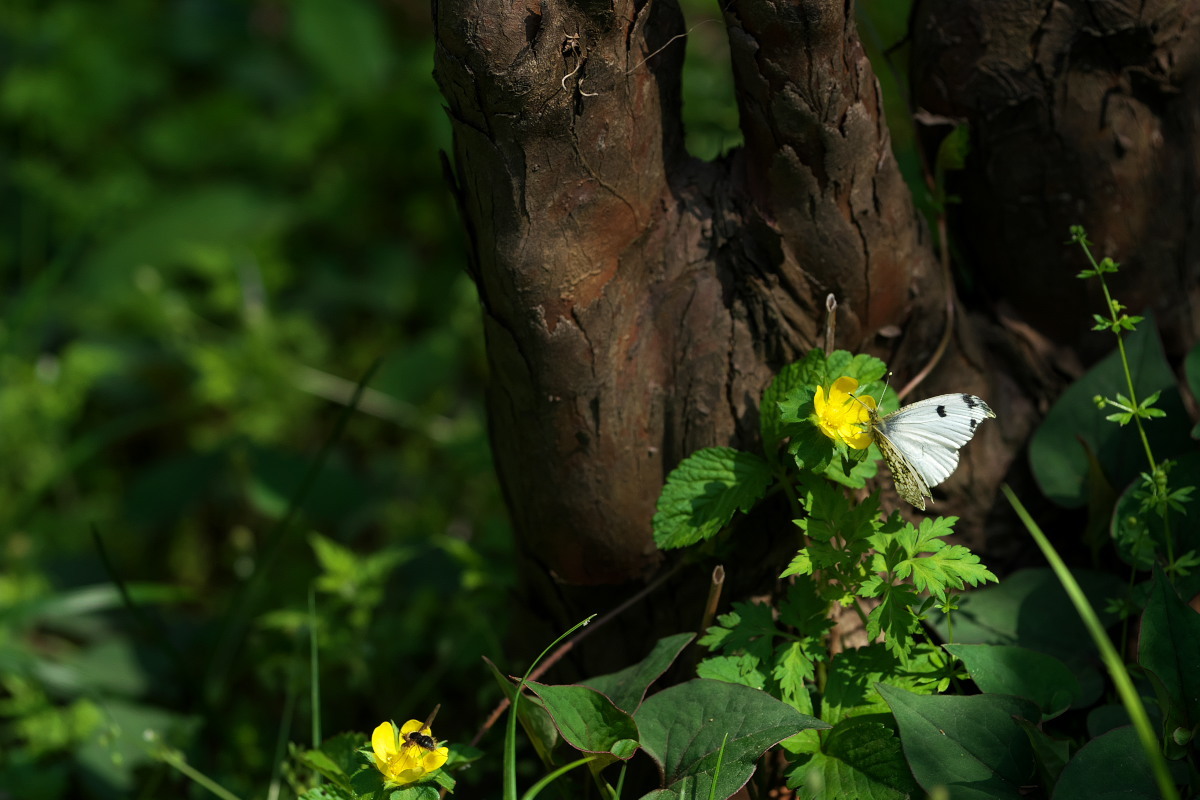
{"points": [[859, 758], [1029, 608], [685, 727], [534, 719], [743, 669], [586, 719], [1060, 463], [894, 618], [627, 687], [935, 566], [343, 751], [749, 627], [970, 745], [1109, 767], [793, 666], [1191, 371], [801, 564], [854, 674], [422, 791], [1169, 647], [1050, 755], [810, 372], [952, 152], [1139, 534], [704, 491], [1019, 671], [328, 793]]}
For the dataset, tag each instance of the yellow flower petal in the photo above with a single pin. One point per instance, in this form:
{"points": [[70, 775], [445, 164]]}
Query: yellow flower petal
{"points": [[434, 759], [412, 726], [844, 385], [843, 417], [383, 742], [401, 761]]}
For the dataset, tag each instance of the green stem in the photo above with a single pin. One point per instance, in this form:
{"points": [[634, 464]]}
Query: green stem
{"points": [[1108, 653], [1133, 401], [712, 787], [510, 733], [314, 670], [176, 760], [536, 789]]}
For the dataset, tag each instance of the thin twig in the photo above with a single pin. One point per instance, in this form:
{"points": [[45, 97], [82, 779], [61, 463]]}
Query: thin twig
{"points": [[714, 595], [830, 322]]}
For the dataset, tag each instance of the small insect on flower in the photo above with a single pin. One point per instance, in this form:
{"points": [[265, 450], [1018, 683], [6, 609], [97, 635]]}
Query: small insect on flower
{"points": [[421, 736], [408, 753]]}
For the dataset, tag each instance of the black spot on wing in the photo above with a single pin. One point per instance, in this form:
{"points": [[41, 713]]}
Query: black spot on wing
{"points": [[973, 423], [941, 411], [969, 400]]}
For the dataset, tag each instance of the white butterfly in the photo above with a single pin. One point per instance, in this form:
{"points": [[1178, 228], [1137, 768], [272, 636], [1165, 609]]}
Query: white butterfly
{"points": [[920, 442]]}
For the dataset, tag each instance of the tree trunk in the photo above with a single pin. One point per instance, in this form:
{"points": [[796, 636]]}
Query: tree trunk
{"points": [[637, 301], [1080, 112]]}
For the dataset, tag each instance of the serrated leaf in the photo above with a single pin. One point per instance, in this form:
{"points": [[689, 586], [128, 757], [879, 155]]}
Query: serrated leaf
{"points": [[850, 690], [894, 618], [792, 668], [860, 758], [809, 371], [931, 564], [741, 669], [801, 564], [703, 493]]}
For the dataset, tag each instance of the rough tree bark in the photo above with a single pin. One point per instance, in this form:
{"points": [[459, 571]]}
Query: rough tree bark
{"points": [[637, 301], [1080, 112]]}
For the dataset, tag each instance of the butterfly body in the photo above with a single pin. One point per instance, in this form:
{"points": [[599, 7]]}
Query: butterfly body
{"points": [[920, 442]]}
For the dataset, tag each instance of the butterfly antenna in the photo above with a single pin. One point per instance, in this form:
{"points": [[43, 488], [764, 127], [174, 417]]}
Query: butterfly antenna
{"points": [[887, 380]]}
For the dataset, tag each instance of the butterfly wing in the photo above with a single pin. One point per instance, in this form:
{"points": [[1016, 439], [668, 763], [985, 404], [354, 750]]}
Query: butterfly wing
{"points": [[926, 437], [909, 483]]}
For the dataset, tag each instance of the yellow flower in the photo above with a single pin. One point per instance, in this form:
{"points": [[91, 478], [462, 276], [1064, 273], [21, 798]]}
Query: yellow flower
{"points": [[403, 758], [843, 417]]}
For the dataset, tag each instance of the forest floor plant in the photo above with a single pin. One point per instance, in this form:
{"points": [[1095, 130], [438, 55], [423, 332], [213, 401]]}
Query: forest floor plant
{"points": [[1012, 703]]}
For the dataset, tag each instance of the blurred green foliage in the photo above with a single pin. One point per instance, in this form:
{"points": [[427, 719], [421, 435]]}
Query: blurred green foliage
{"points": [[215, 216]]}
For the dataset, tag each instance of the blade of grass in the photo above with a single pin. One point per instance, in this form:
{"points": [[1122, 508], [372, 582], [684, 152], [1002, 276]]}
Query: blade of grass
{"points": [[1116, 668], [314, 671], [510, 733], [536, 789]]}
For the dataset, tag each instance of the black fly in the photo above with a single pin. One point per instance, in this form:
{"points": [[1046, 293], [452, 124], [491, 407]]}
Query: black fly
{"points": [[420, 737]]}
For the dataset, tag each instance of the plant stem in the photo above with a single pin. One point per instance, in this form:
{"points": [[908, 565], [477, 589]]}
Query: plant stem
{"points": [[176, 760], [510, 734]]}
